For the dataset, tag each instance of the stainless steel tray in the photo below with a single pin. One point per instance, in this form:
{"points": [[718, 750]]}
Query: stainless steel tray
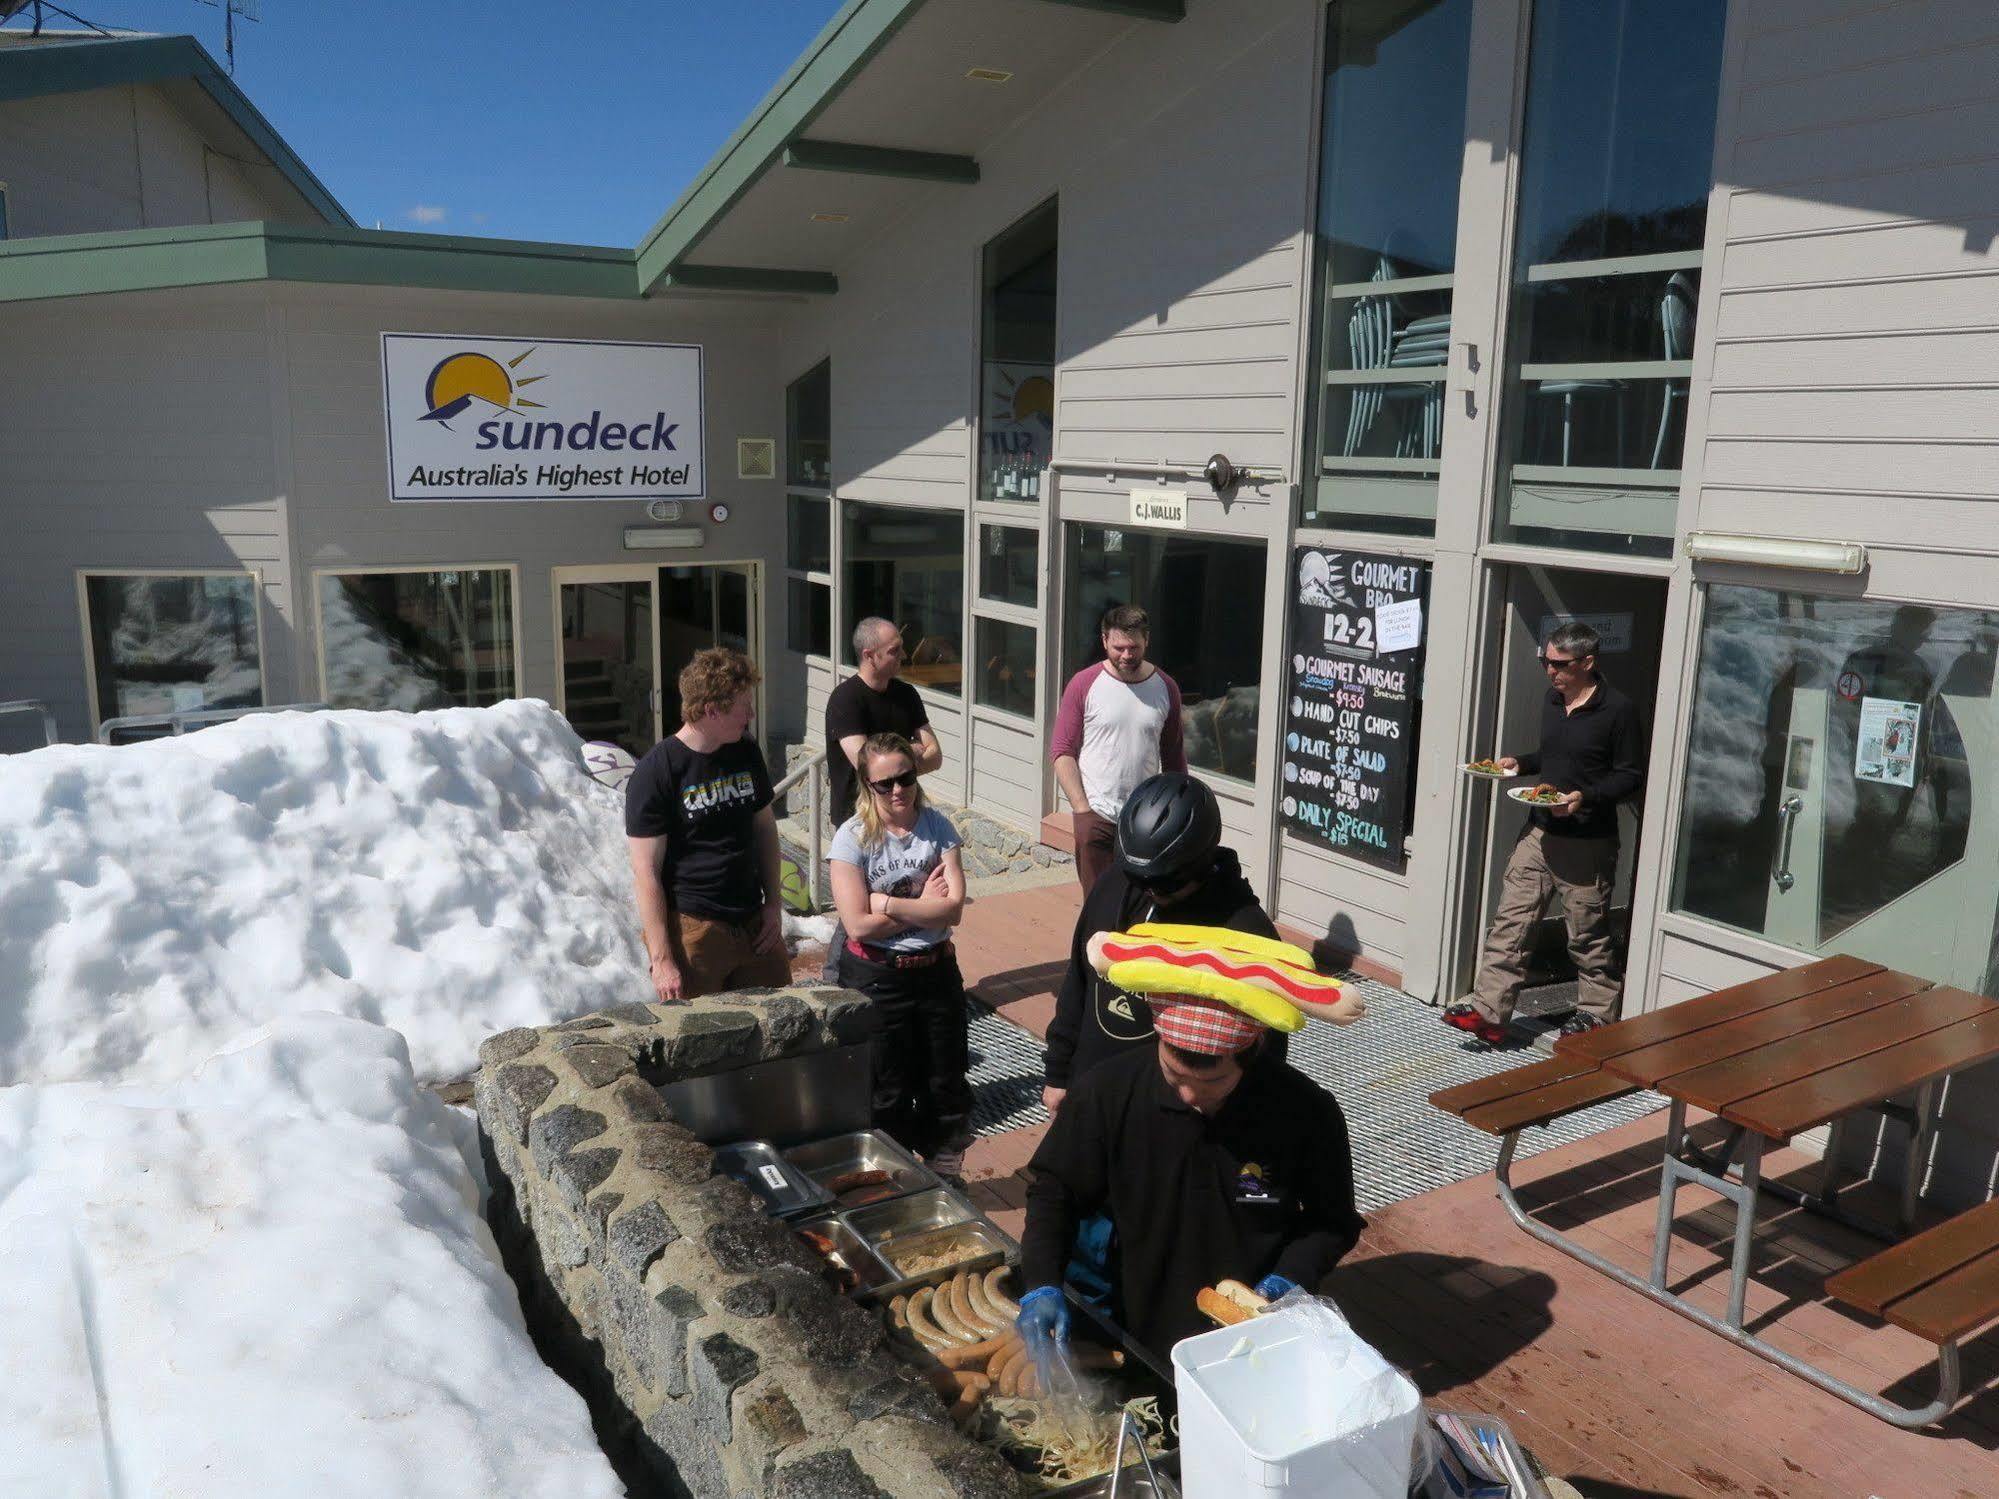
{"points": [[787, 1191], [919, 1213], [983, 1247], [866, 1150], [853, 1254]]}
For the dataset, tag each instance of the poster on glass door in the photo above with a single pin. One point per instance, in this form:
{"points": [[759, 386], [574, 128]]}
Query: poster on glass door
{"points": [[1886, 751], [1356, 638]]}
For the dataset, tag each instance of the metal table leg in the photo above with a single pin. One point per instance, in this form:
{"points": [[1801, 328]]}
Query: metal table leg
{"points": [[1744, 1196]]}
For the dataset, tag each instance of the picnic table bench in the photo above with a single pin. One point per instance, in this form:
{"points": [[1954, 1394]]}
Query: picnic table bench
{"points": [[1782, 1054]]}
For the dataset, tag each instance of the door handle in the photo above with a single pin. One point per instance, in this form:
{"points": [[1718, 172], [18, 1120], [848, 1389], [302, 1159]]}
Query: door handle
{"points": [[1787, 819]]}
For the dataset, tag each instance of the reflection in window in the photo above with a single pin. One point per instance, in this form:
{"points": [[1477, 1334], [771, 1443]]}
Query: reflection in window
{"points": [[412, 641], [1007, 557], [1390, 154], [1006, 665], [1017, 384], [1615, 167], [908, 566], [1842, 789], [808, 617], [808, 427], [808, 561], [173, 644], [1206, 601]]}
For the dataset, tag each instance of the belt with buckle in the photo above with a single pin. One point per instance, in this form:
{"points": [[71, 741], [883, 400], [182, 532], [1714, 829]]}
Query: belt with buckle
{"points": [[889, 958]]}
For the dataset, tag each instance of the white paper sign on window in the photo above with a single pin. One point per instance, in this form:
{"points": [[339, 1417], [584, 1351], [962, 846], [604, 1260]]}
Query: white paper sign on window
{"points": [[1886, 751], [542, 419], [1398, 626]]}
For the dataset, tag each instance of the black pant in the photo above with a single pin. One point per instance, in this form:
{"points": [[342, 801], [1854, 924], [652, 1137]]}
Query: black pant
{"points": [[920, 1051]]}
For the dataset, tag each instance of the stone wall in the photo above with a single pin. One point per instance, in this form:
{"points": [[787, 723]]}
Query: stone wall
{"points": [[707, 1326]]}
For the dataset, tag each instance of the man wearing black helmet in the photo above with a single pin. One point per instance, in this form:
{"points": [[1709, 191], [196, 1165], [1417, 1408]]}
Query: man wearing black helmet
{"points": [[1170, 866]]}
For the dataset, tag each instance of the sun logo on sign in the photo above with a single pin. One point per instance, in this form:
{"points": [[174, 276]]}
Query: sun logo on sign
{"points": [[462, 378], [1023, 399]]}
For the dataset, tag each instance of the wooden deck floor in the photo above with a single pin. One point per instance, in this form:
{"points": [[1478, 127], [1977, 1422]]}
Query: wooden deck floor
{"points": [[1625, 1399]]}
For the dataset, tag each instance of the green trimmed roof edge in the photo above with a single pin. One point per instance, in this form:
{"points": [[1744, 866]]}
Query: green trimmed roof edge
{"points": [[69, 265], [71, 67], [854, 35]]}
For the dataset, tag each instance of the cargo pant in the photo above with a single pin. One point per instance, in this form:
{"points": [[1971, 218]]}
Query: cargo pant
{"points": [[1578, 874]]}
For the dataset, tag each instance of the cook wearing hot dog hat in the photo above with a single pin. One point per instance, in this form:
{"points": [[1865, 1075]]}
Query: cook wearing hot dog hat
{"points": [[1214, 1160]]}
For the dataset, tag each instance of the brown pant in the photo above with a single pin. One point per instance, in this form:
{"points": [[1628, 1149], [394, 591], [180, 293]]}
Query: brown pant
{"points": [[715, 956], [1577, 872], [1096, 847]]}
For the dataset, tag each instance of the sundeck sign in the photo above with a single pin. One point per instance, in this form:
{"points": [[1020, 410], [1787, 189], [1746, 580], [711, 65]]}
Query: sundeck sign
{"points": [[542, 418]]}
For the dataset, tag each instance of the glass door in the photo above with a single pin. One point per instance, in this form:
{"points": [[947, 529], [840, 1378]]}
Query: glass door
{"points": [[607, 654], [703, 605]]}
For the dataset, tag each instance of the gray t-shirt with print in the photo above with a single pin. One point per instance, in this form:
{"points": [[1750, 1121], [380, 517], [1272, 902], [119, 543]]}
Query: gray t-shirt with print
{"points": [[899, 865]]}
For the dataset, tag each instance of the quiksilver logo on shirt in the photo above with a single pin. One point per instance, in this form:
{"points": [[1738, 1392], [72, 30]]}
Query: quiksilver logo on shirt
{"points": [[723, 791]]}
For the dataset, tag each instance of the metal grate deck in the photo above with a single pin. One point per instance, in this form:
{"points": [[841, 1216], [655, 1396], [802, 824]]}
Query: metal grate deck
{"points": [[1382, 1069]]}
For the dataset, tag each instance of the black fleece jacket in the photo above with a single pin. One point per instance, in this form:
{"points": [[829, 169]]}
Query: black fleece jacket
{"points": [[1094, 1020]]}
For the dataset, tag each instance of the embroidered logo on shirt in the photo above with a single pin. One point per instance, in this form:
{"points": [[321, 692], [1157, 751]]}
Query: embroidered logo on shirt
{"points": [[1249, 1184], [721, 792]]}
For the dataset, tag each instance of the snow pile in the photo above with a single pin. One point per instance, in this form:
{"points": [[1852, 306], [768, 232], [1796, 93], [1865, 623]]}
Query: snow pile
{"points": [[270, 1278], [449, 874]]}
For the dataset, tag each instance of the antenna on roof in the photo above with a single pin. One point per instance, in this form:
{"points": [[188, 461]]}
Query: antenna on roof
{"points": [[249, 10]]}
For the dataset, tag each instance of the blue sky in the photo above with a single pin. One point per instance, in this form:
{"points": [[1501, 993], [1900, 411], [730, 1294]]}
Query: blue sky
{"points": [[578, 122]]}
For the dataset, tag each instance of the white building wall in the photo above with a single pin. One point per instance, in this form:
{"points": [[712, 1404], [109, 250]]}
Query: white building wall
{"points": [[1181, 156], [1847, 372], [116, 158]]}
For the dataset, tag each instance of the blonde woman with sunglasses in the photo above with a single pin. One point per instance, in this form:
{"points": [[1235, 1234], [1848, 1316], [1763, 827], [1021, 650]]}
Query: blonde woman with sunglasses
{"points": [[899, 884]]}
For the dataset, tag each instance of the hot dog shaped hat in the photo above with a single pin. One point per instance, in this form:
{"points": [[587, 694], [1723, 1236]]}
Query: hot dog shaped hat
{"points": [[1273, 983]]}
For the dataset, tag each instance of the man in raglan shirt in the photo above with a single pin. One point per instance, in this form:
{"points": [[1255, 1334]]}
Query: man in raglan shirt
{"points": [[1119, 723], [703, 841]]}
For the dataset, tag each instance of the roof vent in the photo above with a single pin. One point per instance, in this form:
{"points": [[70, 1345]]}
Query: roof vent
{"points": [[756, 458], [989, 75]]}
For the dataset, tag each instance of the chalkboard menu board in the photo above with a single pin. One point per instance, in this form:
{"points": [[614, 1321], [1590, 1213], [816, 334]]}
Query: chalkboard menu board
{"points": [[1356, 641]]}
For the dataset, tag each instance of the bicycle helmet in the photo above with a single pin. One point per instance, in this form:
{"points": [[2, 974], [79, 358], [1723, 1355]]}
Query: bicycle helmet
{"points": [[1169, 829]]}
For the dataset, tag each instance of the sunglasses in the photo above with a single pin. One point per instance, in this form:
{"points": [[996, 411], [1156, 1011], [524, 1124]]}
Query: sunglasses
{"points": [[889, 783], [1559, 663]]}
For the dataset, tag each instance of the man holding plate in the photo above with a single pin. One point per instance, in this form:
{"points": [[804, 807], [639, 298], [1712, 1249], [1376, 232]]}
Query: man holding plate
{"points": [[1593, 754]]}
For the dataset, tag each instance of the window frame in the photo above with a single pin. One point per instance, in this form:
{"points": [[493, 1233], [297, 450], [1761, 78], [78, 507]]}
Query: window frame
{"points": [[83, 574], [824, 362], [320, 574], [810, 576], [5, 232], [843, 643]]}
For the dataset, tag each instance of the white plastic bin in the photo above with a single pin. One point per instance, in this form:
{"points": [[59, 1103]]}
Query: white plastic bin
{"points": [[1292, 1402]]}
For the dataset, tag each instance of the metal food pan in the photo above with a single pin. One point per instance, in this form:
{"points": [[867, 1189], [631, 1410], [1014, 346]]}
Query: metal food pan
{"points": [[902, 1217], [824, 1161], [868, 1267], [985, 1247], [787, 1191]]}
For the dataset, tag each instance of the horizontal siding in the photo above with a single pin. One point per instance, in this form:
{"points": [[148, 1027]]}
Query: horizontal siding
{"points": [[1854, 353], [1325, 896], [1702, 968]]}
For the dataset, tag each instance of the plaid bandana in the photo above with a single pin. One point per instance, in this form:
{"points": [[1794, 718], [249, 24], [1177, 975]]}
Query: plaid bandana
{"points": [[1206, 1027]]}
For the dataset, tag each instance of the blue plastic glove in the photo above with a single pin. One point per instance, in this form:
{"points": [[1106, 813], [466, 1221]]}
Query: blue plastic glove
{"points": [[1044, 1320], [1274, 1287]]}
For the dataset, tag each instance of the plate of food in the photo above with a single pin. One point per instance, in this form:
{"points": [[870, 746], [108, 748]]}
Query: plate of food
{"points": [[1491, 769], [1542, 795]]}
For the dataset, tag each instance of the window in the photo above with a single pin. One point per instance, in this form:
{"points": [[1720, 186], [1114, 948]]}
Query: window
{"points": [[908, 566], [1017, 382], [3, 210], [1205, 598], [411, 640], [1007, 558], [1390, 156], [172, 643], [1842, 788], [1616, 166], [808, 578], [808, 427], [1007, 664]]}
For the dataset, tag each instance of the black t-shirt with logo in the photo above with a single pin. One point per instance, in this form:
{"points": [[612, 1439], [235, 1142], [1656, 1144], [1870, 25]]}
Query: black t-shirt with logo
{"points": [[856, 708], [705, 806]]}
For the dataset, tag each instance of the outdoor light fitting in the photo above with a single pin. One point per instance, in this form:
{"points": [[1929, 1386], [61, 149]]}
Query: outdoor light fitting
{"points": [[642, 538], [989, 75], [1772, 551]]}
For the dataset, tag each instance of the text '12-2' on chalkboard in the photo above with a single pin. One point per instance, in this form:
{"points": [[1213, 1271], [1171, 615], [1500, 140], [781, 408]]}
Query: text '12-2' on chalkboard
{"points": [[1350, 723]]}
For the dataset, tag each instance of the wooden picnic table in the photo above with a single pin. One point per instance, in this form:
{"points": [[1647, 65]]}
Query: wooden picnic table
{"points": [[1775, 1057]]}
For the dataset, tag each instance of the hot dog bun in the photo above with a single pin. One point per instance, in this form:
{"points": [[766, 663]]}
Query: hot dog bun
{"points": [[1229, 1302]]}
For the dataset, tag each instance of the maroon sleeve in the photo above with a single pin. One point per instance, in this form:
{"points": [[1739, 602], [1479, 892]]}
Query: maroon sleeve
{"points": [[1068, 736], [1172, 743]]}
